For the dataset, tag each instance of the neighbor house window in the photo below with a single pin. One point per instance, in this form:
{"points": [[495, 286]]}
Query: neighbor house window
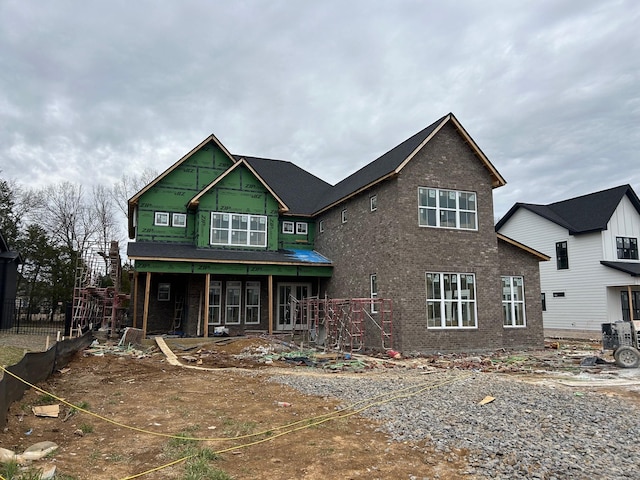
{"points": [[451, 300], [373, 282], [513, 312], [164, 292], [215, 302], [627, 248], [321, 226], [232, 304], [238, 229], [301, 228], [161, 219], [543, 299], [373, 203], [447, 209], [179, 219], [287, 227], [252, 303], [343, 216], [562, 256]]}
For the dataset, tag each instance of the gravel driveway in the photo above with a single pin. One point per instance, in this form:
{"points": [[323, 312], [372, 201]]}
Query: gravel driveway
{"points": [[546, 431]]}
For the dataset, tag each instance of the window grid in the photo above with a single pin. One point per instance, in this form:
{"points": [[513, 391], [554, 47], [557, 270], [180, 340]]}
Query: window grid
{"points": [[179, 220], [627, 248], [451, 300], [232, 304], [215, 303], [301, 228], [287, 227], [161, 219], [252, 303], [513, 310], [447, 209], [238, 229]]}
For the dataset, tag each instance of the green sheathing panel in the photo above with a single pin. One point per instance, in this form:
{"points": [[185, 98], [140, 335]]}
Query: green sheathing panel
{"points": [[239, 192], [157, 266], [172, 193], [293, 241]]}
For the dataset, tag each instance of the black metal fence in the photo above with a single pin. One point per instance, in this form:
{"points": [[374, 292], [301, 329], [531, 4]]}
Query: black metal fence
{"points": [[22, 320]]}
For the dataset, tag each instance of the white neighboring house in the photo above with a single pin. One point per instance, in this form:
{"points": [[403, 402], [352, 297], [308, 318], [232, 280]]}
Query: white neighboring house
{"points": [[594, 273]]}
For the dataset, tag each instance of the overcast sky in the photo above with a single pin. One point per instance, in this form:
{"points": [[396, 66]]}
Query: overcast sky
{"points": [[550, 90]]}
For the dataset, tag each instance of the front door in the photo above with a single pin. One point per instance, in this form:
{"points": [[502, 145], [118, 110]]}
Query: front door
{"points": [[635, 300], [288, 292]]}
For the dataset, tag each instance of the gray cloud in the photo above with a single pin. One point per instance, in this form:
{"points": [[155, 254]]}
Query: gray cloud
{"points": [[550, 90]]}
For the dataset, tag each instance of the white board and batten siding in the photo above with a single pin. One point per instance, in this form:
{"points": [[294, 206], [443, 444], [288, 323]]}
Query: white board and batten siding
{"points": [[625, 222], [586, 303]]}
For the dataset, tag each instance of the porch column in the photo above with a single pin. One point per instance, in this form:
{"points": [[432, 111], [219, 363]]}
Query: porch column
{"points": [[207, 284], [135, 299], [270, 286], [145, 311], [630, 303]]}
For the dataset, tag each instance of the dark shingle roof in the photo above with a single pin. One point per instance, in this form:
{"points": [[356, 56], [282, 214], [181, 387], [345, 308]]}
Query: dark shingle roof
{"points": [[172, 251], [379, 168], [298, 189], [587, 213]]}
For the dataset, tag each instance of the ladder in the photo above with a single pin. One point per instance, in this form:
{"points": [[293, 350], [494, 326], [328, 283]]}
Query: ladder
{"points": [[177, 314]]}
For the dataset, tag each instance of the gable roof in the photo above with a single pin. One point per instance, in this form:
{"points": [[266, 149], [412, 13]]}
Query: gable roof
{"points": [[392, 162], [6, 252], [583, 214], [299, 189], [242, 162]]}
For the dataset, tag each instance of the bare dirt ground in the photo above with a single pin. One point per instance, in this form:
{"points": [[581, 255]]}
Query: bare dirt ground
{"points": [[139, 398]]}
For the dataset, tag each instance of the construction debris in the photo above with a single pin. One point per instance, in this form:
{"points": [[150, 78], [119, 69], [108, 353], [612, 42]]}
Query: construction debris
{"points": [[51, 411]]}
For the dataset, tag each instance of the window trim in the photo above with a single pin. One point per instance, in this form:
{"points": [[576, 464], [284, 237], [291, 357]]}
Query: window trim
{"points": [[373, 290], [300, 226], [321, 226], [179, 224], [373, 203], [343, 216], [287, 227], [458, 303], [262, 220], [215, 285], [156, 219], [458, 211], [512, 303], [164, 292]]}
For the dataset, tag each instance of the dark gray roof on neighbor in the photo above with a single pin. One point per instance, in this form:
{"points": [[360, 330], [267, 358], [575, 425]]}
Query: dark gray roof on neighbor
{"points": [[377, 169], [632, 269], [587, 213], [298, 189], [171, 251]]}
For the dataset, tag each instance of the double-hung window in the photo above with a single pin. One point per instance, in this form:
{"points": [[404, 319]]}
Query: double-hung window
{"points": [[373, 283], [238, 229], [513, 311], [451, 300], [232, 303], [215, 302], [252, 303], [447, 209]]}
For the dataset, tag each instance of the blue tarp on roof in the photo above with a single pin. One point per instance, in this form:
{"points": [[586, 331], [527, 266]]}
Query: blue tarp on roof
{"points": [[310, 256]]}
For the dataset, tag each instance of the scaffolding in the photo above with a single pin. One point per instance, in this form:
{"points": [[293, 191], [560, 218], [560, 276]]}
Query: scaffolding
{"points": [[346, 325], [94, 305]]}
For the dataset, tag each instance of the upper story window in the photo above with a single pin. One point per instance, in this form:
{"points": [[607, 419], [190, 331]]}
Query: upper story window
{"points": [[447, 209], [161, 219], [287, 227], [179, 220], [301, 228], [321, 226], [451, 300], [373, 202], [562, 256], [343, 216], [238, 229], [627, 248]]}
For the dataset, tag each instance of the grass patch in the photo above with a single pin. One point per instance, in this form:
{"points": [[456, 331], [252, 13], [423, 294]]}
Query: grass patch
{"points": [[12, 471], [198, 466], [11, 355], [86, 428]]}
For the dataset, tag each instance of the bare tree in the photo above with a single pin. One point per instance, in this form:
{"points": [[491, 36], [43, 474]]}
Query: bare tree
{"points": [[128, 186], [102, 210]]}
